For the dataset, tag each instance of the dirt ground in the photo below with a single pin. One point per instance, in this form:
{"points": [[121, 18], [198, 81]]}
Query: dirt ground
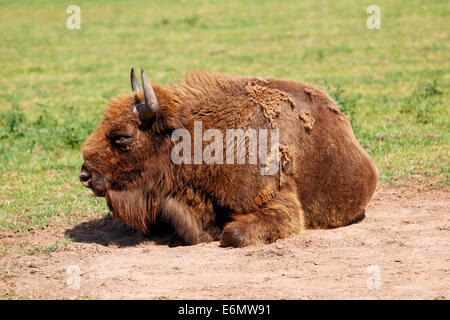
{"points": [[401, 250]]}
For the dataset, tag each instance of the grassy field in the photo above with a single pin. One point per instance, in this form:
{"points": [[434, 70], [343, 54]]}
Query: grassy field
{"points": [[392, 82]]}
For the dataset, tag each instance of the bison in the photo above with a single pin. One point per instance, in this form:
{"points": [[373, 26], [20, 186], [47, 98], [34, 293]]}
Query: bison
{"points": [[323, 177]]}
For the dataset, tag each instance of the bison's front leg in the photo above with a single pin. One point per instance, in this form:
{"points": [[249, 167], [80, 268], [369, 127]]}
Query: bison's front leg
{"points": [[279, 218], [183, 222]]}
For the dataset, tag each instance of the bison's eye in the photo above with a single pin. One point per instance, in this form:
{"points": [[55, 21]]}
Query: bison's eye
{"points": [[122, 142]]}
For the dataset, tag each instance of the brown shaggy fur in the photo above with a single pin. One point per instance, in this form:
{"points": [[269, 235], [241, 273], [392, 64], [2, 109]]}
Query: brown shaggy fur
{"points": [[325, 179]]}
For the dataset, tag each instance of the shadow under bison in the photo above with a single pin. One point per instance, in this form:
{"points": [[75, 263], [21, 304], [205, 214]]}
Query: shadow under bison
{"points": [[108, 231]]}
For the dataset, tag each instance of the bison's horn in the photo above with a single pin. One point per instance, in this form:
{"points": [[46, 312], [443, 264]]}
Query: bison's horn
{"points": [[134, 82], [151, 103]]}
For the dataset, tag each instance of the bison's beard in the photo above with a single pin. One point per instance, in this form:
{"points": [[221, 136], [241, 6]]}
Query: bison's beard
{"points": [[137, 208]]}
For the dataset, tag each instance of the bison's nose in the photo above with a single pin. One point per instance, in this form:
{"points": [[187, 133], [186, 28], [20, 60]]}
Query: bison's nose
{"points": [[85, 177]]}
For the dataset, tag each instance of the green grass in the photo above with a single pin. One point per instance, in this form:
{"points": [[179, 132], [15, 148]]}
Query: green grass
{"points": [[55, 82]]}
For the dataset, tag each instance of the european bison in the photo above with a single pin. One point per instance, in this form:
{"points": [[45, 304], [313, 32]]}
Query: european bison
{"points": [[314, 174]]}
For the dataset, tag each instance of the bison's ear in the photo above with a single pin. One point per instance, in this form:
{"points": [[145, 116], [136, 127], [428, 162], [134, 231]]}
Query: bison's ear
{"points": [[171, 114], [159, 109]]}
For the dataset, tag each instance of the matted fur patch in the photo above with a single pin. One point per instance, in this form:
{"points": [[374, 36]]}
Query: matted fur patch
{"points": [[335, 109], [308, 121], [269, 100], [286, 155], [265, 195]]}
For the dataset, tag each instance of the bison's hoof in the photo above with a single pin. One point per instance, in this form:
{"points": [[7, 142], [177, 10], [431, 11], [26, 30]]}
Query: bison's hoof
{"points": [[233, 236]]}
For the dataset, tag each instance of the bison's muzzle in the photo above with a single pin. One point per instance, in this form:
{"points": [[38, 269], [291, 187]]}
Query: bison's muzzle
{"points": [[93, 180]]}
